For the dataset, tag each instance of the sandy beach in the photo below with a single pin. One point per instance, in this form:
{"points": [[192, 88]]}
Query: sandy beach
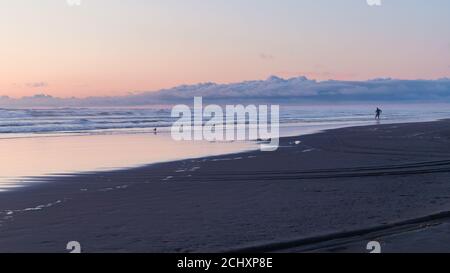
{"points": [[327, 192]]}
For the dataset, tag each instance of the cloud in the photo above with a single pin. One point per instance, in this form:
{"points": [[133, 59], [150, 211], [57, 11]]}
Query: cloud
{"points": [[304, 89], [273, 89], [266, 57], [37, 84]]}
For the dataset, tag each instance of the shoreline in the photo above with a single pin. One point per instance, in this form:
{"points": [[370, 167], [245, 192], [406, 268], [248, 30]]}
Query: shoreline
{"points": [[51, 177], [16, 181], [247, 198]]}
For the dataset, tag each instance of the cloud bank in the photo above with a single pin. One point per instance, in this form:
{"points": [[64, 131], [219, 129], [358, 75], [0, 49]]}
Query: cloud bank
{"points": [[274, 89]]}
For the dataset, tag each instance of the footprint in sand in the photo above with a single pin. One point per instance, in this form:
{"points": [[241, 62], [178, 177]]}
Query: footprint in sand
{"points": [[222, 159], [106, 189], [193, 169], [9, 213], [167, 178]]}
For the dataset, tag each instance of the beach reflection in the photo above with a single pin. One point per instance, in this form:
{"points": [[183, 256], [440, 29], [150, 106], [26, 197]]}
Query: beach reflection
{"points": [[38, 156]]}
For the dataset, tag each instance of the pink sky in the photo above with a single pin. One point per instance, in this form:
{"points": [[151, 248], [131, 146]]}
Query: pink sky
{"points": [[116, 47]]}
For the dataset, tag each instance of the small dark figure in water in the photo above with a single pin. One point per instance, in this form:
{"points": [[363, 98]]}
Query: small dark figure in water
{"points": [[378, 113], [155, 131]]}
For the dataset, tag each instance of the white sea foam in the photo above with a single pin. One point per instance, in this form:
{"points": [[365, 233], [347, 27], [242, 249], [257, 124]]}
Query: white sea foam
{"points": [[32, 122]]}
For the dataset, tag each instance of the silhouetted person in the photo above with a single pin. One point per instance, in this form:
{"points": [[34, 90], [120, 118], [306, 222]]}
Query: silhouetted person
{"points": [[155, 131], [378, 113]]}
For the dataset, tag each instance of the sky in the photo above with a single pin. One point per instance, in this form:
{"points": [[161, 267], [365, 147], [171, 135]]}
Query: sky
{"points": [[118, 47]]}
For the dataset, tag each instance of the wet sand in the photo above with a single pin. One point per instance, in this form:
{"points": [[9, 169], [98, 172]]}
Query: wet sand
{"points": [[332, 192]]}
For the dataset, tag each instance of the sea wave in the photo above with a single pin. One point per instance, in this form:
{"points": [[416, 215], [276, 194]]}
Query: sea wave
{"points": [[71, 120]]}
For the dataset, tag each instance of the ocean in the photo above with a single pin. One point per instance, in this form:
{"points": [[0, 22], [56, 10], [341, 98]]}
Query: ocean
{"points": [[43, 142], [73, 121]]}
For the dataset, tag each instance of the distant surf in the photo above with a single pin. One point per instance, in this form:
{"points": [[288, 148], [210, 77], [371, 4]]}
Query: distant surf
{"points": [[36, 122]]}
